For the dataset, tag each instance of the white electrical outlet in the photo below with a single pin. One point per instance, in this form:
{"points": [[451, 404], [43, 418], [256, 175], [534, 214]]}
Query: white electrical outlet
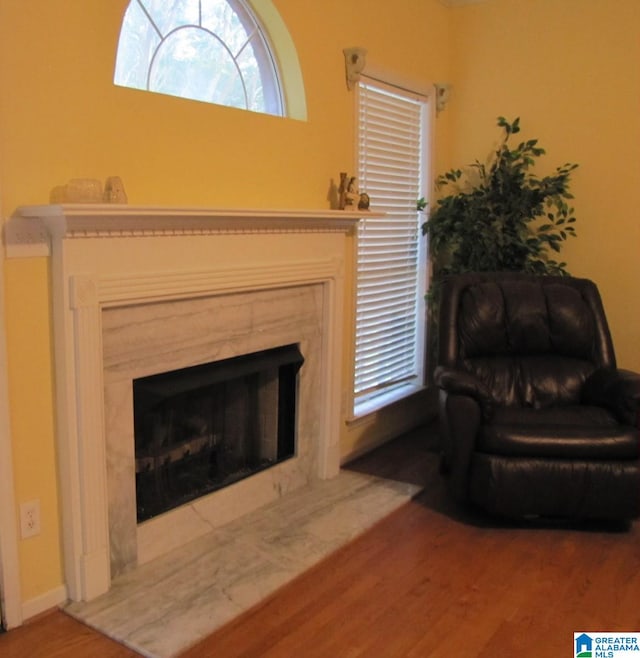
{"points": [[30, 519]]}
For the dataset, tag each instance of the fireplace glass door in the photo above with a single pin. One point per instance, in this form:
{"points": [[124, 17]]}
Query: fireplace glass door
{"points": [[202, 428]]}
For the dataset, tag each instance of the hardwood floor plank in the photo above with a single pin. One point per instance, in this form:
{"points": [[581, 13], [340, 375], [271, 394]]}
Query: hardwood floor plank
{"points": [[56, 635]]}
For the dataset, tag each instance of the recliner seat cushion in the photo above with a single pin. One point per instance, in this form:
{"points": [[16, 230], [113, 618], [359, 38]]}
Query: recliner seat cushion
{"points": [[572, 432]]}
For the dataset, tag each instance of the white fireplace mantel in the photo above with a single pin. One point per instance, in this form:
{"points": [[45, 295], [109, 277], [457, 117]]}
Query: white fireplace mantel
{"points": [[105, 256], [30, 230]]}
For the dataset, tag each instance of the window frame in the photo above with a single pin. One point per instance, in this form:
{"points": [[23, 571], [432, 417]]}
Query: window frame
{"points": [[273, 50], [360, 406]]}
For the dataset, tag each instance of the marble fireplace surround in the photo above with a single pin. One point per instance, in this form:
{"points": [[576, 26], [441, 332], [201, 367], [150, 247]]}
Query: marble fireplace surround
{"points": [[168, 335], [246, 280]]}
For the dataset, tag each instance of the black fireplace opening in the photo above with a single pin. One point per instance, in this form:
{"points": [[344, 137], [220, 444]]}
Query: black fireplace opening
{"points": [[202, 428]]}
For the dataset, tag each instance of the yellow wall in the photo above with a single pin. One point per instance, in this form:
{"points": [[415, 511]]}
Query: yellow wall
{"points": [[569, 69], [61, 118], [32, 418]]}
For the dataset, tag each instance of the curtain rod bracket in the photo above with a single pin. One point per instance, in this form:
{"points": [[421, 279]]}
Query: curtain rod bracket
{"points": [[355, 59], [443, 94]]}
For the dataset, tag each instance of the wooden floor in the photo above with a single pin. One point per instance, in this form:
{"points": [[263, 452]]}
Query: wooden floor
{"points": [[430, 580]]}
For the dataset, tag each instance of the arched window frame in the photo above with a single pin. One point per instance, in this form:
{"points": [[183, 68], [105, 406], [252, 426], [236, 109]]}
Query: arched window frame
{"points": [[275, 52]]}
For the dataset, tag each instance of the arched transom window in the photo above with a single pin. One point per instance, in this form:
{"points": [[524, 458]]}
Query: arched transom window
{"points": [[206, 50]]}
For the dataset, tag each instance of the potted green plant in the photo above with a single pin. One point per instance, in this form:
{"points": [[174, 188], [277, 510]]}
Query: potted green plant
{"points": [[500, 215]]}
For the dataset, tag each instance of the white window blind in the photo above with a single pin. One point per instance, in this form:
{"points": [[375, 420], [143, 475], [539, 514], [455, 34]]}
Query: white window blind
{"points": [[389, 335]]}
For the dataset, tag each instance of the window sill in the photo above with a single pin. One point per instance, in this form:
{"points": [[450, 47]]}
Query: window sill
{"points": [[373, 404]]}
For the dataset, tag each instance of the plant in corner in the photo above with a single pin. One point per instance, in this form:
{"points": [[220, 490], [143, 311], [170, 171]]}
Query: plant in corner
{"points": [[500, 216]]}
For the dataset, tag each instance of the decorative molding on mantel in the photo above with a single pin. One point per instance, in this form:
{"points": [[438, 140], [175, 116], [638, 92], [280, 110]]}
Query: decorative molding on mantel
{"points": [[28, 231], [119, 290]]}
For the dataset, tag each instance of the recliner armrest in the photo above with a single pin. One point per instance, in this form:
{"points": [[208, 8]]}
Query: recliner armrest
{"points": [[616, 389], [459, 382]]}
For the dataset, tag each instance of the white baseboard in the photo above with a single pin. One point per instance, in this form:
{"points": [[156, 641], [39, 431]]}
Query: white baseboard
{"points": [[52, 599]]}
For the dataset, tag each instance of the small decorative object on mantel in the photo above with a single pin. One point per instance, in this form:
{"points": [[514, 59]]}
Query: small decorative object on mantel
{"points": [[364, 202], [349, 197], [89, 190], [114, 190], [78, 190], [342, 190]]}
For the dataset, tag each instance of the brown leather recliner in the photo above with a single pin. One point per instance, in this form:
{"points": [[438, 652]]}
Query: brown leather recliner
{"points": [[536, 419]]}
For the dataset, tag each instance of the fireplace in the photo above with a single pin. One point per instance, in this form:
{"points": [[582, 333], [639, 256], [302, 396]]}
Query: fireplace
{"points": [[142, 341], [205, 427], [141, 290]]}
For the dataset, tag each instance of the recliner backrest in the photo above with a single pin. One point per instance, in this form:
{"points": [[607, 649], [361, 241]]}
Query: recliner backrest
{"points": [[532, 340]]}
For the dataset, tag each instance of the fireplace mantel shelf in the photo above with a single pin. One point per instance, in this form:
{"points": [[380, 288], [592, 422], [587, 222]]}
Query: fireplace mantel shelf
{"points": [[30, 230]]}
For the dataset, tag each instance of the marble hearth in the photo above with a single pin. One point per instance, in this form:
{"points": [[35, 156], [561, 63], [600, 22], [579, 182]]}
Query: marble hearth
{"points": [[140, 290]]}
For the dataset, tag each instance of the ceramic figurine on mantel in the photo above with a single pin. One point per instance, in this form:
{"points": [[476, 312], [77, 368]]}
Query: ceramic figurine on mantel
{"points": [[350, 197], [114, 190]]}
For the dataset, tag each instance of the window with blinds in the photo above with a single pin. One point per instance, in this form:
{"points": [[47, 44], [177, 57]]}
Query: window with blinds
{"points": [[391, 263]]}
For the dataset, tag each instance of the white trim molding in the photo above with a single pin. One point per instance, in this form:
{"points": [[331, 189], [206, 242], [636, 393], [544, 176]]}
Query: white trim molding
{"points": [[52, 599], [30, 230]]}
